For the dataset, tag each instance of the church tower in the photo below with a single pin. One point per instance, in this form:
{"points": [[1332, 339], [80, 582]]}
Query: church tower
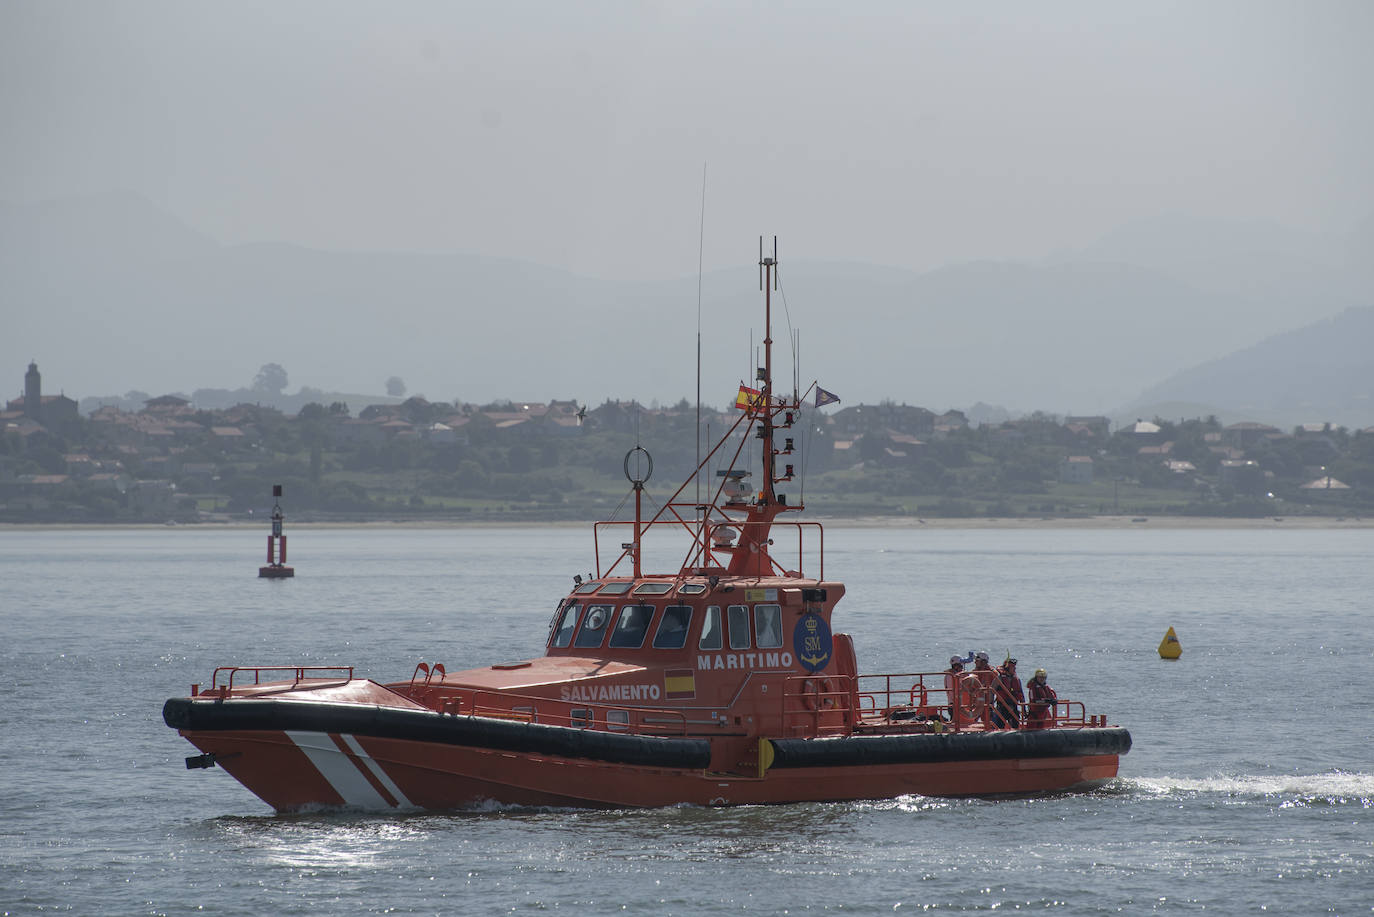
{"points": [[33, 393]]}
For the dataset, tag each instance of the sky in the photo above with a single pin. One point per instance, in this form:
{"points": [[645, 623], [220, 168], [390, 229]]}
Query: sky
{"points": [[642, 142], [589, 135]]}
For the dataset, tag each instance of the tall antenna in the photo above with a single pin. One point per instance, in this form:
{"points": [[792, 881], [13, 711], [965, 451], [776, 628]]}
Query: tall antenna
{"points": [[796, 364], [701, 245]]}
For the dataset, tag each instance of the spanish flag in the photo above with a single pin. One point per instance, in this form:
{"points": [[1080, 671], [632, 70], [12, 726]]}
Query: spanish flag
{"points": [[679, 683], [747, 398]]}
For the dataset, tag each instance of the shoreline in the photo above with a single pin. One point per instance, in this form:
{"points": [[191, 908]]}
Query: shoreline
{"points": [[1110, 522], [838, 522]]}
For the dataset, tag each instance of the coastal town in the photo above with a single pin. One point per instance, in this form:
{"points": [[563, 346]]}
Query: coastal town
{"points": [[172, 460]]}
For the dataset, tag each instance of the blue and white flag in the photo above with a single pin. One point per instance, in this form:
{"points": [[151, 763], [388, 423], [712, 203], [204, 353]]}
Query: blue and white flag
{"points": [[823, 397]]}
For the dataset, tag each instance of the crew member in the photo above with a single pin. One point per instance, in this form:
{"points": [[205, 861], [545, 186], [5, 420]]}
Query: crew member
{"points": [[1007, 697], [1040, 711], [952, 676]]}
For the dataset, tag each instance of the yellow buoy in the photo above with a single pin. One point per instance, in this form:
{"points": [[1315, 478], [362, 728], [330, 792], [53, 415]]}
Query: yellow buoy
{"points": [[1169, 647]]}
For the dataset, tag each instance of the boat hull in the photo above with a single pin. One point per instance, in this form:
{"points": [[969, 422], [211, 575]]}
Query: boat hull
{"points": [[296, 755]]}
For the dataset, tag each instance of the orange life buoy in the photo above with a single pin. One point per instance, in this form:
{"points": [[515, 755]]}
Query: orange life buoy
{"points": [[827, 693], [972, 698], [808, 694]]}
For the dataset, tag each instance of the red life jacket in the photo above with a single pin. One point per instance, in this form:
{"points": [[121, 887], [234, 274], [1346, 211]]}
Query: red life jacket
{"points": [[1042, 698], [1009, 688]]}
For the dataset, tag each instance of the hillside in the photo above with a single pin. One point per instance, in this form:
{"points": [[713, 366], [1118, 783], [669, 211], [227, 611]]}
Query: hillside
{"points": [[1321, 372]]}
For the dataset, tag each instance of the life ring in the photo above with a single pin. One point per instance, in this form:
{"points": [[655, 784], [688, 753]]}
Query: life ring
{"points": [[973, 699], [808, 694], [827, 694]]}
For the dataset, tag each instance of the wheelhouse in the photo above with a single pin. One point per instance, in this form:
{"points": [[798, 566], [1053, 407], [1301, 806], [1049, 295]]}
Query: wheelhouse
{"points": [[666, 620]]}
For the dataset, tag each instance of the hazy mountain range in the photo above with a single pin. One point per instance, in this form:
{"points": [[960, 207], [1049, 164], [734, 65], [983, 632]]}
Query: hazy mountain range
{"points": [[1321, 372], [110, 293]]}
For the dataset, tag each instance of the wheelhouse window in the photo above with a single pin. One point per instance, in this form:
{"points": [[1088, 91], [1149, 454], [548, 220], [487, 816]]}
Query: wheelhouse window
{"points": [[691, 589], [587, 588], [563, 631], [615, 588], [768, 625], [672, 628], [711, 630], [593, 629], [653, 588], [631, 626], [739, 627]]}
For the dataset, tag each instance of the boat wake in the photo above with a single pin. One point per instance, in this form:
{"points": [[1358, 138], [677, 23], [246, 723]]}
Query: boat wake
{"points": [[1334, 789], [1291, 790]]}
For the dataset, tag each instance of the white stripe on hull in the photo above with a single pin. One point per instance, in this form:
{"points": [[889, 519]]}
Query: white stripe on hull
{"points": [[343, 774], [381, 775]]}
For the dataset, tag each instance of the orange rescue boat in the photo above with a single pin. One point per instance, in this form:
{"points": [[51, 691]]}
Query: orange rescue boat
{"points": [[721, 683]]}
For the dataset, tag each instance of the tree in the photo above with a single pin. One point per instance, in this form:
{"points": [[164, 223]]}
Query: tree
{"points": [[271, 378], [312, 411], [47, 457], [519, 460], [873, 446], [417, 410], [395, 387], [472, 477]]}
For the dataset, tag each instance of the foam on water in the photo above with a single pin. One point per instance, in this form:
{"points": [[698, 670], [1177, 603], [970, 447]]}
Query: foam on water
{"points": [[1333, 789]]}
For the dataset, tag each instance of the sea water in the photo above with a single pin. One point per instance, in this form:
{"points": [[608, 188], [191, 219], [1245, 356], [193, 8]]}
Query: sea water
{"points": [[1250, 787]]}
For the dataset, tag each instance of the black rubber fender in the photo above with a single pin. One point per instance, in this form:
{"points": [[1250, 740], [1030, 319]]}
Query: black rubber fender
{"points": [[940, 748], [269, 715]]}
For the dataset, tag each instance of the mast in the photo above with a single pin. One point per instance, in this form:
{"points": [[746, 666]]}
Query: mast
{"points": [[745, 514], [750, 556], [770, 282]]}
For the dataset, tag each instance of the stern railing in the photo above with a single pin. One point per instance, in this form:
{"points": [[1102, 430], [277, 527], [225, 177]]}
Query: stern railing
{"points": [[921, 700]]}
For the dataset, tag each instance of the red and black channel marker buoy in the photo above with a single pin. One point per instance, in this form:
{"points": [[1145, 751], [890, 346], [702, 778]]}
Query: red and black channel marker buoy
{"points": [[276, 544]]}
